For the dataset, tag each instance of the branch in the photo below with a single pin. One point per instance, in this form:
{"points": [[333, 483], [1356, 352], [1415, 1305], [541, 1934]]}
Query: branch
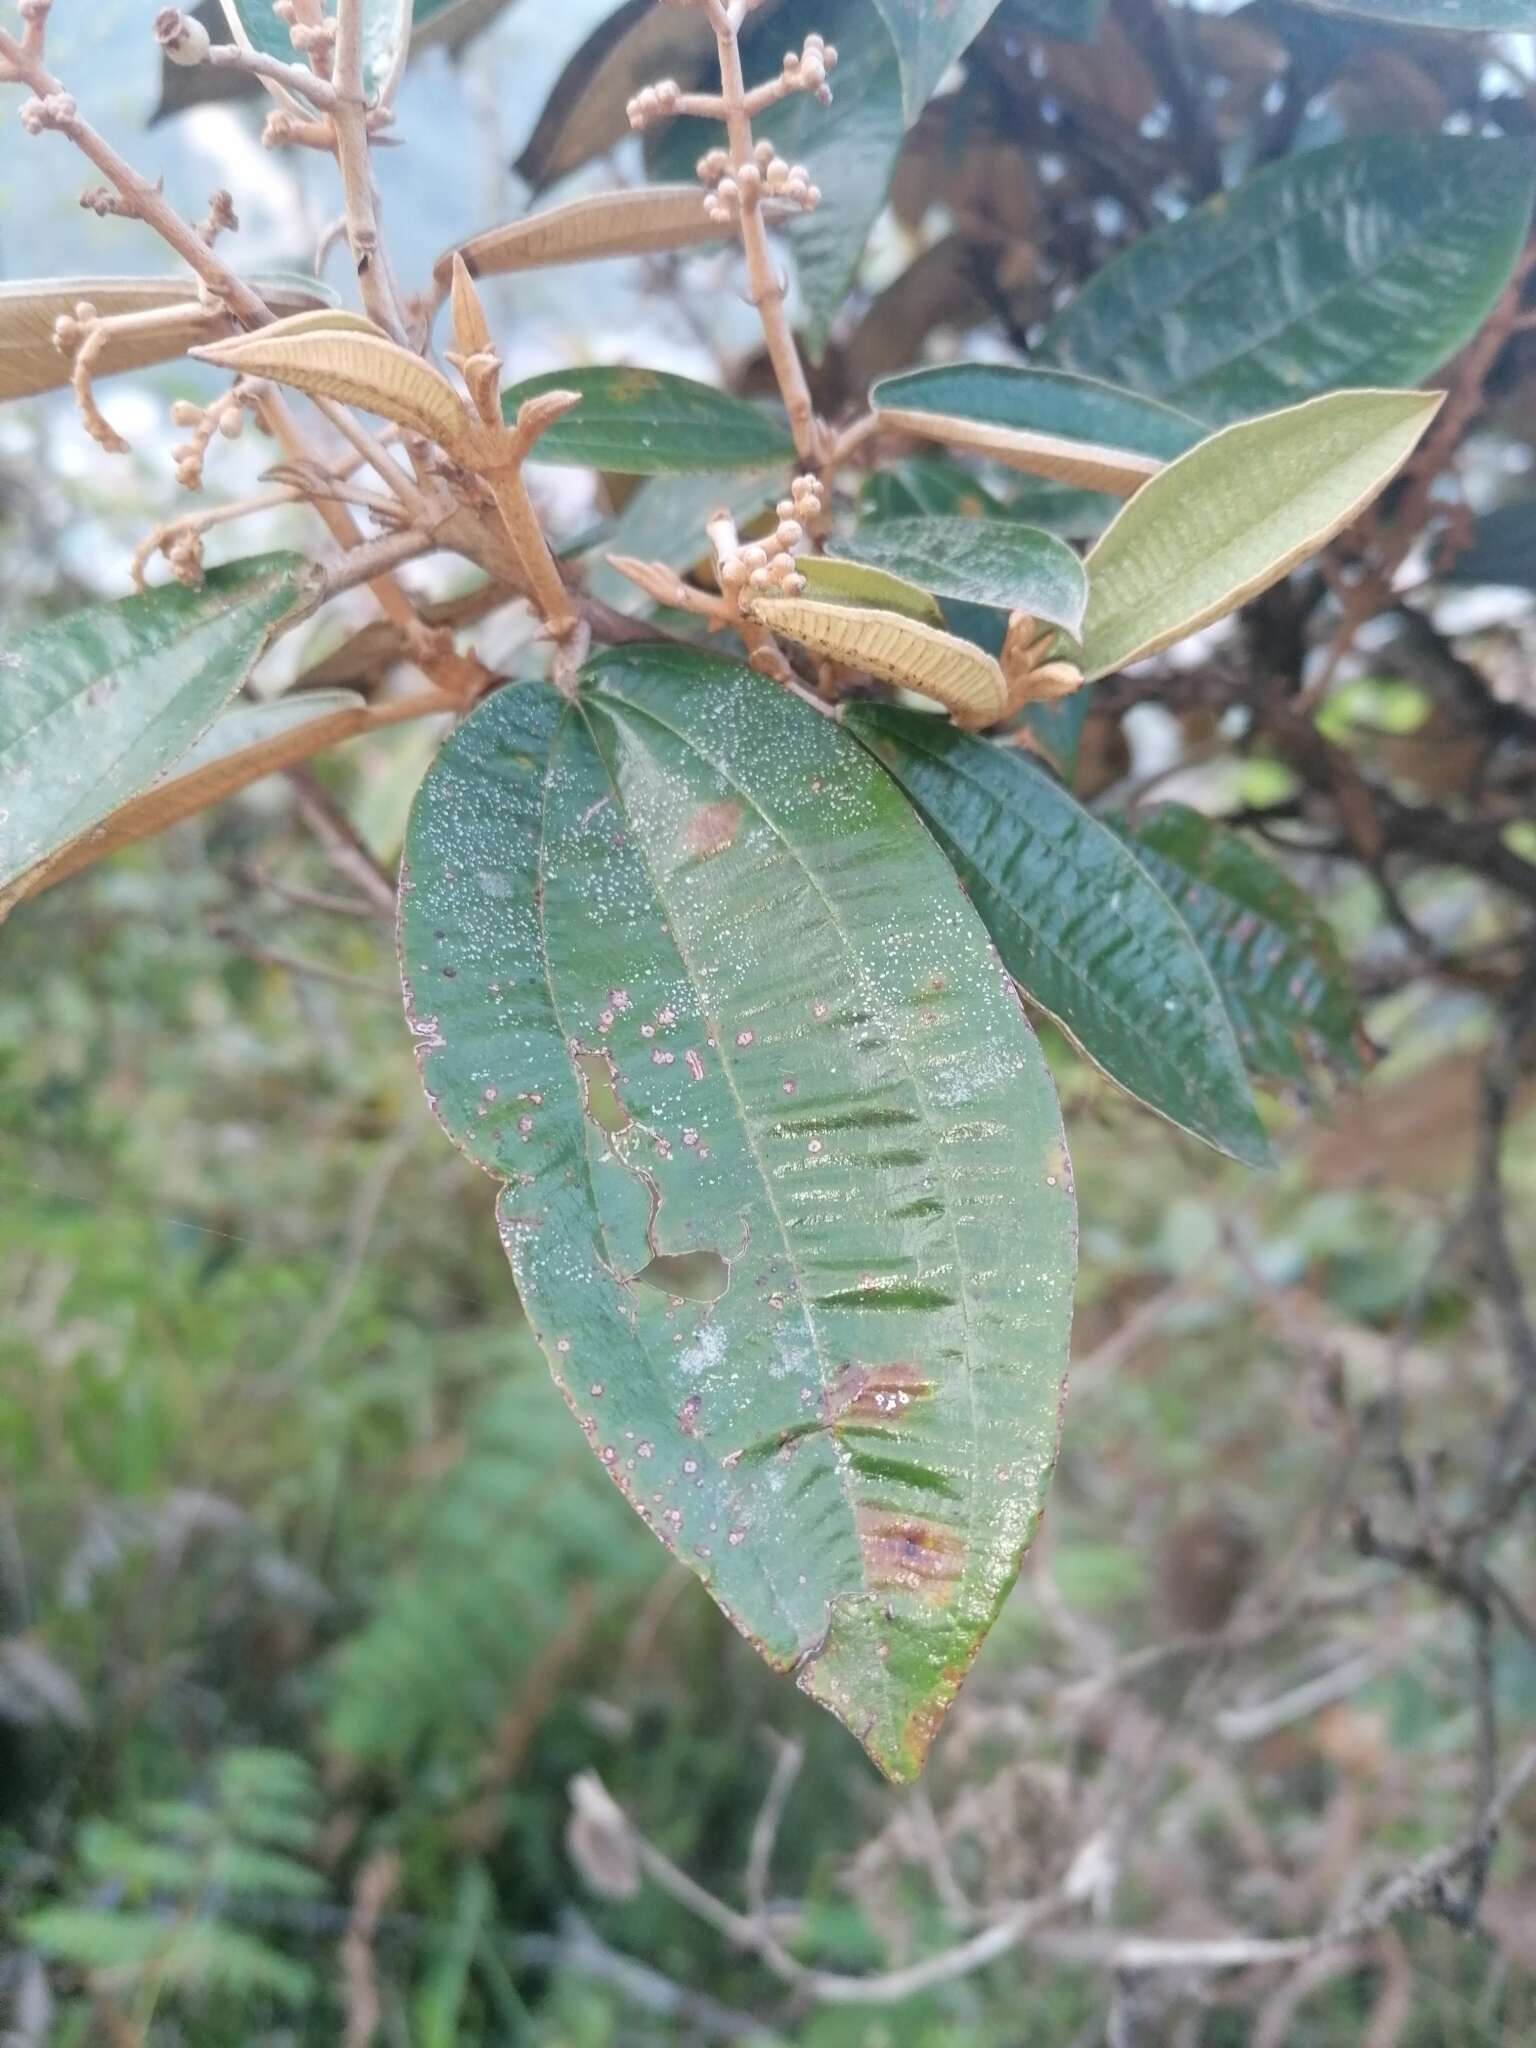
{"points": [[349, 123]]}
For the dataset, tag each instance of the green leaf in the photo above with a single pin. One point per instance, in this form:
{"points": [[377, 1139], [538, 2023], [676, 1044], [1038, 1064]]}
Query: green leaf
{"points": [[1079, 923], [94, 707], [852, 583], [1074, 21], [1237, 513], [850, 147], [1468, 16], [650, 423], [1050, 403], [1502, 548], [1275, 957], [244, 744], [664, 522], [688, 974], [927, 484], [986, 562], [1366, 263], [929, 39]]}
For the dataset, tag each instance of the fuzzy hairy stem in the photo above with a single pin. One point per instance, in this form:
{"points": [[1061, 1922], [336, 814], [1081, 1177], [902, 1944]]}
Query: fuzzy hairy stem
{"points": [[764, 283], [141, 200], [349, 121]]}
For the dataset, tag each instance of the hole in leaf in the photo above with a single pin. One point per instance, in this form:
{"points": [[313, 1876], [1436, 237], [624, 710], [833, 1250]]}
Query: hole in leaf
{"points": [[600, 1094], [689, 1276]]}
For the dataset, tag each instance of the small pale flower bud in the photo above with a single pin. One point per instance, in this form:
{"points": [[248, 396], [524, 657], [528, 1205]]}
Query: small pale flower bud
{"points": [[184, 413], [790, 533], [183, 39]]}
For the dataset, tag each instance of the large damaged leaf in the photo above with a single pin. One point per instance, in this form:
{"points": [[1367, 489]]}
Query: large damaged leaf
{"points": [[786, 1192]]}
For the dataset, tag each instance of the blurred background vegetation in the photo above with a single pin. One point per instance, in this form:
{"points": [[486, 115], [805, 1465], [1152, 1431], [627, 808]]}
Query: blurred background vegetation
{"points": [[312, 1600]]}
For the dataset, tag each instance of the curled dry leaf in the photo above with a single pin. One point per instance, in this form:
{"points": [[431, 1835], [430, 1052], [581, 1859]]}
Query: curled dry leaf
{"points": [[354, 364], [895, 649]]}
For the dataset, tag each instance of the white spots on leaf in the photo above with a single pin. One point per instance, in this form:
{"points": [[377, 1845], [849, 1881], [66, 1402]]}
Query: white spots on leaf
{"points": [[706, 1353]]}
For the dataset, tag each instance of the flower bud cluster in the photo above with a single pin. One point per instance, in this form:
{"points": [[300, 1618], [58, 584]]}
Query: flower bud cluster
{"points": [[654, 103], [225, 416], [183, 39], [809, 69], [767, 175], [769, 564], [310, 39]]}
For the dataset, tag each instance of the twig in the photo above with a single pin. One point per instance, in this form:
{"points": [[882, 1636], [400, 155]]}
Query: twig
{"points": [[765, 284], [349, 125], [339, 838], [376, 1880], [765, 1829]]}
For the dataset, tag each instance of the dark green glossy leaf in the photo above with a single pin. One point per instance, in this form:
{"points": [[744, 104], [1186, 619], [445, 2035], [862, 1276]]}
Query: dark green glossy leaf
{"points": [[650, 423], [929, 484], [94, 707], [688, 974], [1080, 925], [1053, 402], [850, 147], [1463, 15], [985, 562], [1075, 21], [1502, 548], [1232, 517], [1366, 263], [1275, 957], [929, 39]]}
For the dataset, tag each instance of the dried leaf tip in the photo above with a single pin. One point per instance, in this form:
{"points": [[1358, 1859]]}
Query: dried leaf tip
{"points": [[471, 331]]}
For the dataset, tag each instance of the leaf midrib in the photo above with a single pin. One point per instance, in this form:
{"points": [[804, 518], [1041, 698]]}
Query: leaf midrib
{"points": [[962, 1270]]}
